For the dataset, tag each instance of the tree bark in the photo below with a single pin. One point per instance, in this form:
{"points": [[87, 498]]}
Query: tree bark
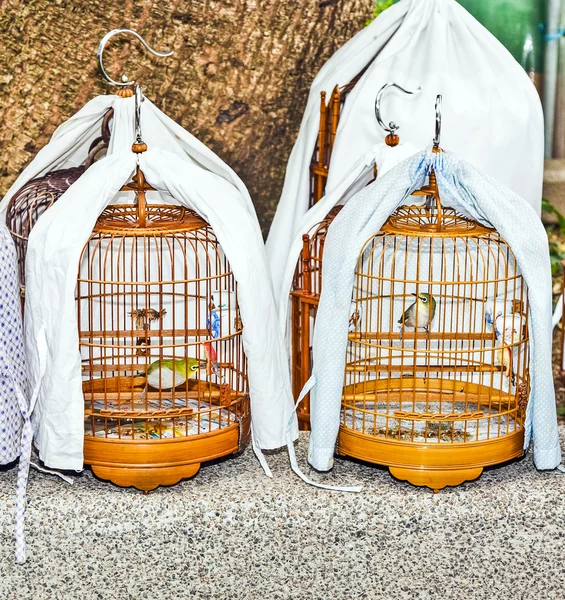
{"points": [[238, 79]]}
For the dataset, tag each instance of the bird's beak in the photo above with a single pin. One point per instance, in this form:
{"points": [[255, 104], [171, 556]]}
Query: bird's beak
{"points": [[415, 295], [202, 364]]}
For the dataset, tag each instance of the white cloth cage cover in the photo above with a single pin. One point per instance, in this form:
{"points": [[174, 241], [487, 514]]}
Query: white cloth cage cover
{"points": [[184, 172], [492, 115]]}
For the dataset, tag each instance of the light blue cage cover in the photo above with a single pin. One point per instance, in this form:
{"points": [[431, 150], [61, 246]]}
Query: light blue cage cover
{"points": [[475, 195]]}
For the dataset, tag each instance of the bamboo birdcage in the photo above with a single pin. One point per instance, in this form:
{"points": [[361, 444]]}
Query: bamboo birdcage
{"points": [[40, 193], [155, 285], [305, 297], [436, 403], [329, 120], [307, 281]]}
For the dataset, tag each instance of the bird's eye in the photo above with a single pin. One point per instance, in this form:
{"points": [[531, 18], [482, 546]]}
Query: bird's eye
{"points": [[194, 367]]}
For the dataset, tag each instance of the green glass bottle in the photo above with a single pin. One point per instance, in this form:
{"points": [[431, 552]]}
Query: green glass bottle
{"points": [[516, 23]]}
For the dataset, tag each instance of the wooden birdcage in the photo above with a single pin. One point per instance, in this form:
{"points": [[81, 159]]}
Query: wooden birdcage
{"points": [[40, 193], [305, 297], [307, 282], [164, 371], [329, 120], [437, 369]]}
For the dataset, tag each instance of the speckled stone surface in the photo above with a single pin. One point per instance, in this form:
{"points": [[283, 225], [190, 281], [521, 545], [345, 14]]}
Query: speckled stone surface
{"points": [[232, 533]]}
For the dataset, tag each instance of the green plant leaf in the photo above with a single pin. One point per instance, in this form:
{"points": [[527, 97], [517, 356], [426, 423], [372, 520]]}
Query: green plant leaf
{"points": [[548, 207], [380, 6]]}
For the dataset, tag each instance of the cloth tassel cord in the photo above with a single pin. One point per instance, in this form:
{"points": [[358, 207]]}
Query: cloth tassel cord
{"points": [[260, 456], [21, 487], [41, 469], [292, 454], [558, 312], [25, 454]]}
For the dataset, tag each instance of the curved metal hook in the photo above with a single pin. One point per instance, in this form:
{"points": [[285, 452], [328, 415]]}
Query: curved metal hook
{"points": [[392, 126], [105, 40], [437, 135]]}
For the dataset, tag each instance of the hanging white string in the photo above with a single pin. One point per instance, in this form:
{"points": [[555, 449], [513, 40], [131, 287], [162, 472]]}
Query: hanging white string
{"points": [[65, 478], [292, 455]]}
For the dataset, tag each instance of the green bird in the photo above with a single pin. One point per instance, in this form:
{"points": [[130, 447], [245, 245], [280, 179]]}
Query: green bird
{"points": [[426, 305], [168, 373]]}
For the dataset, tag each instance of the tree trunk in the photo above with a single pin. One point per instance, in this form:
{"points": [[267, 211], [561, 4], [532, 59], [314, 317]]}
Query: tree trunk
{"points": [[238, 79]]}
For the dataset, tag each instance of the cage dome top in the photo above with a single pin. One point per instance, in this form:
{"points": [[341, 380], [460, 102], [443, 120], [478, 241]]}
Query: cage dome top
{"points": [[433, 219], [421, 222], [142, 218]]}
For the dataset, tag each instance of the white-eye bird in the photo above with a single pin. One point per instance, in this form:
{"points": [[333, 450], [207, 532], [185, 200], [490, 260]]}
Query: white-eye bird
{"points": [[168, 373], [424, 310]]}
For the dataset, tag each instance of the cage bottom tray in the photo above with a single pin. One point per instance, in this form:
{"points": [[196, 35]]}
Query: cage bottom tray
{"points": [[376, 424], [146, 463], [453, 457]]}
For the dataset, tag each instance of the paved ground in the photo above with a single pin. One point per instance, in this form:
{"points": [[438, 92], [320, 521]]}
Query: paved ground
{"points": [[232, 533]]}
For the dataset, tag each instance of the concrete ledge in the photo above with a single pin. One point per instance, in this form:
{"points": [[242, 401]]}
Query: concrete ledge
{"points": [[232, 533]]}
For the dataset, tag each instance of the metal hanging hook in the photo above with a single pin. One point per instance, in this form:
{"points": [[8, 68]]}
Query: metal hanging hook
{"points": [[105, 40], [437, 135], [138, 100], [392, 126]]}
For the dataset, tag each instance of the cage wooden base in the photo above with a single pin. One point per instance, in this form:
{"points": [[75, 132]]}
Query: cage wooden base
{"points": [[145, 479], [430, 464], [433, 479], [147, 464]]}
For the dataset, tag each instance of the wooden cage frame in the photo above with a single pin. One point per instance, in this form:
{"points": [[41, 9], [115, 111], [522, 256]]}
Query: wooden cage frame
{"points": [[146, 434], [307, 282], [436, 407]]}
